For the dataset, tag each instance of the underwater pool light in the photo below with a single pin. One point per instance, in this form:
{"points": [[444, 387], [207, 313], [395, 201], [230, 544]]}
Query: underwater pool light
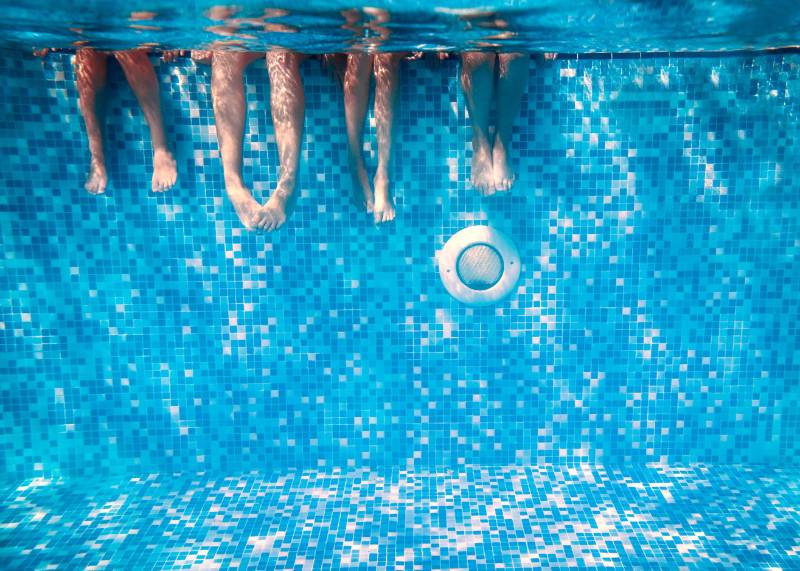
{"points": [[479, 265]]}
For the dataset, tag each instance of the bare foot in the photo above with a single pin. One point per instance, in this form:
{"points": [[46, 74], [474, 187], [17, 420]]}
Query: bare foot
{"points": [[384, 206], [98, 178], [362, 191], [273, 214], [165, 172], [504, 177], [245, 205], [482, 175]]}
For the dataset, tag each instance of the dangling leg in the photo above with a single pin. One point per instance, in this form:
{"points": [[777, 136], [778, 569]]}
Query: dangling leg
{"points": [[288, 104], [90, 70], [142, 79], [513, 78], [227, 98], [356, 96], [387, 67], [477, 80]]}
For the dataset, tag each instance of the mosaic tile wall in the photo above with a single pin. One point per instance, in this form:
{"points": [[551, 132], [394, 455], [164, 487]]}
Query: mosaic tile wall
{"points": [[655, 320]]}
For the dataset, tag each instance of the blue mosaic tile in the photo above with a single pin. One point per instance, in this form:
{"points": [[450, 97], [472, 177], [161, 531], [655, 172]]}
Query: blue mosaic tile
{"points": [[668, 517], [656, 215]]}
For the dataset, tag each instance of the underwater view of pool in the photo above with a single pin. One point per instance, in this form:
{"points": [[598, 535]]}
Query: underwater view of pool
{"points": [[467, 287]]}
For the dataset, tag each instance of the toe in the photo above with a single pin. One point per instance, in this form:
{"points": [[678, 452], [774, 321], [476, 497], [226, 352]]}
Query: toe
{"points": [[268, 222]]}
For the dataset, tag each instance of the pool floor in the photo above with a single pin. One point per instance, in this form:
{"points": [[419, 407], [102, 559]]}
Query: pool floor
{"points": [[478, 517]]}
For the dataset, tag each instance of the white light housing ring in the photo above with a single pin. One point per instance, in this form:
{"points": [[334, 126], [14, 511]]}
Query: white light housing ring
{"points": [[479, 265]]}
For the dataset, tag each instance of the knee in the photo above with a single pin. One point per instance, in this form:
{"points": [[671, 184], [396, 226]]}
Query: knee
{"points": [[512, 63], [472, 60]]}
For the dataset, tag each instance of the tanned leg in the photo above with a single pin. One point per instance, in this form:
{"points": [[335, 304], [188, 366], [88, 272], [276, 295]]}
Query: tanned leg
{"points": [[142, 79], [90, 71]]}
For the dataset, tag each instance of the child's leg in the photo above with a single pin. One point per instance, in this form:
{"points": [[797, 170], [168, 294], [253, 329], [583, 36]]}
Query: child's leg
{"points": [[90, 71], [227, 98], [387, 66], [357, 75], [477, 80], [142, 79], [288, 104], [511, 85]]}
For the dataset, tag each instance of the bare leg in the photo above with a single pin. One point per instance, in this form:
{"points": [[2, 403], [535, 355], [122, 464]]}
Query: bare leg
{"points": [[356, 96], [142, 80], [227, 98], [90, 69], [477, 80], [387, 66], [511, 85], [288, 104]]}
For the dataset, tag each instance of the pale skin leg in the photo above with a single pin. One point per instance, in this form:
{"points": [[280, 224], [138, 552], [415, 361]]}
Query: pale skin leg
{"points": [[90, 69], [356, 96], [142, 79], [477, 81], [228, 101], [511, 83], [287, 103], [387, 68]]}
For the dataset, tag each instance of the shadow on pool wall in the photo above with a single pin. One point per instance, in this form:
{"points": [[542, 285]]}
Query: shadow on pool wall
{"points": [[656, 215]]}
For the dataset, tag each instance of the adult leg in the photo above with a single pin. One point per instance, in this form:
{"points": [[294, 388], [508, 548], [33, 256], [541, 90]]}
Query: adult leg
{"points": [[288, 104], [142, 79], [387, 67], [477, 81], [90, 71], [513, 78], [228, 101], [357, 75]]}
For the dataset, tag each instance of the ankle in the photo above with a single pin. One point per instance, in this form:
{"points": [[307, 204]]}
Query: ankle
{"points": [[235, 190], [287, 179], [481, 145]]}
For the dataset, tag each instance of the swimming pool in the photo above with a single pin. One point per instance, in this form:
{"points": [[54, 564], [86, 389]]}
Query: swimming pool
{"points": [[178, 392]]}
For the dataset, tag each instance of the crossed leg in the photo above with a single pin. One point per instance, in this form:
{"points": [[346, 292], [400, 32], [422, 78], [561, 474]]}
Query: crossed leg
{"points": [[287, 104], [228, 101]]}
